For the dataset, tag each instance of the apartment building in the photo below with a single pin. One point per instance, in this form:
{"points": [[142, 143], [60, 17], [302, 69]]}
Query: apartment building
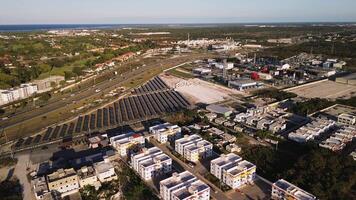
{"points": [[218, 165], [165, 132], [105, 171], [14, 94], [63, 181], [151, 163], [184, 186], [312, 130], [87, 176], [346, 119], [282, 190], [233, 171], [122, 143], [193, 148]]}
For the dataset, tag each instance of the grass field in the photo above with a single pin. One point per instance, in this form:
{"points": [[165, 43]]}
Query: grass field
{"points": [[180, 74]]}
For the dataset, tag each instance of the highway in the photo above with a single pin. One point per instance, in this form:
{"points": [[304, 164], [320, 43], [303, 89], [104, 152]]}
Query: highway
{"points": [[215, 192], [89, 93]]}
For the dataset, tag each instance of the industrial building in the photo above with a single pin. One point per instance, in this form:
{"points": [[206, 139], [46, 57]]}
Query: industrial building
{"points": [[193, 148], [233, 171], [151, 163], [165, 132], [282, 190], [221, 110], [244, 84], [184, 186], [122, 143]]}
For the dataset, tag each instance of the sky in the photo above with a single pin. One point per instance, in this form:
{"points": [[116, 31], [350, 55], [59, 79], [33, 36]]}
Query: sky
{"points": [[174, 11]]}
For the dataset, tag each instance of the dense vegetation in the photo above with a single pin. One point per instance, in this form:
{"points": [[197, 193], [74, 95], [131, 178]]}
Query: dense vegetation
{"points": [[128, 184], [10, 189], [278, 95], [319, 171], [313, 105]]}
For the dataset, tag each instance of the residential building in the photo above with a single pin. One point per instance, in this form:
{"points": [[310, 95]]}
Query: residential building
{"points": [[87, 176], [63, 181], [184, 186], [122, 143], [165, 132], [211, 116], [282, 190], [105, 171], [193, 148], [339, 139], [312, 130], [151, 163], [232, 170], [224, 161], [346, 119]]}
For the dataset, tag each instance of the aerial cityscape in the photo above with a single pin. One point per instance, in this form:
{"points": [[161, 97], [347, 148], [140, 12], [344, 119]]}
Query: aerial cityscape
{"points": [[177, 100]]}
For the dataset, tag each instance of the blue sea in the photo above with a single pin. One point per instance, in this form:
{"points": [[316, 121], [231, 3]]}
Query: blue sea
{"points": [[46, 27]]}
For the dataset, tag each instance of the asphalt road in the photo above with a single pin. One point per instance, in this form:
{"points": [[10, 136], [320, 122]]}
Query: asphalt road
{"points": [[86, 93], [215, 192]]}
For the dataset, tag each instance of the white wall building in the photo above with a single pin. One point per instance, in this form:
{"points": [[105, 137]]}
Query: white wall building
{"points": [[151, 163], [165, 132], [233, 171], [282, 190], [346, 119], [184, 186], [123, 142], [193, 148]]}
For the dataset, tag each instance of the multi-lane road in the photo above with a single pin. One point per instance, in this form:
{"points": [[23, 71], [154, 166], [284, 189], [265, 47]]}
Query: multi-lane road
{"points": [[112, 82]]}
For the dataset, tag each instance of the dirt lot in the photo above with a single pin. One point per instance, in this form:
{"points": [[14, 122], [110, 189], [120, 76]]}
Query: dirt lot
{"points": [[326, 89], [199, 91]]}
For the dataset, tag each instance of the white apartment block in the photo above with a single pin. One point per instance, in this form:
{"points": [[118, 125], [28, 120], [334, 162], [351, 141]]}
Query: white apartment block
{"points": [[282, 190], [165, 132], [123, 142], [346, 119], [193, 148], [312, 130], [105, 171], [233, 171], [151, 163], [184, 186], [14, 94]]}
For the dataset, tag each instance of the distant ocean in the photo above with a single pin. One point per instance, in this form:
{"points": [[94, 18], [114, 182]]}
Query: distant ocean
{"points": [[46, 27]]}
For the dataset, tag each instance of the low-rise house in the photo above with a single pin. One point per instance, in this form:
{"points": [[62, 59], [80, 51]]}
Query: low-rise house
{"points": [[346, 119], [165, 132], [184, 186], [40, 189], [63, 181], [229, 124], [312, 130], [282, 190], [233, 148], [215, 131], [211, 116], [338, 140], [220, 120], [151, 163], [278, 126], [105, 171]]}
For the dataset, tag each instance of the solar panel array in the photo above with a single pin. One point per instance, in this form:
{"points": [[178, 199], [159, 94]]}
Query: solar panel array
{"points": [[141, 106]]}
